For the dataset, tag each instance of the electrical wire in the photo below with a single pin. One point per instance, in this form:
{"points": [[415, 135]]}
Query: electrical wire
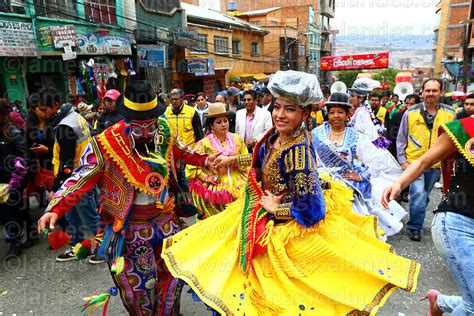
{"points": [[132, 32]]}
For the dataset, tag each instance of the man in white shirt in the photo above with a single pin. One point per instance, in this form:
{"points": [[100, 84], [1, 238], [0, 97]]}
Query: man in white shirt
{"points": [[252, 122]]}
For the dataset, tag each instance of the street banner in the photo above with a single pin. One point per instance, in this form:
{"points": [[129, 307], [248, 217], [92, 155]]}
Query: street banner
{"points": [[352, 62]]}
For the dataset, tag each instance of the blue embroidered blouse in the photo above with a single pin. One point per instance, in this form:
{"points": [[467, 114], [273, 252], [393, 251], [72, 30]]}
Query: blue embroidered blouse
{"points": [[291, 171]]}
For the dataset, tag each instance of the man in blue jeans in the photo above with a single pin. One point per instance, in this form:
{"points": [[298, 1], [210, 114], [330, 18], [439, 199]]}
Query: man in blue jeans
{"points": [[418, 132], [71, 137]]}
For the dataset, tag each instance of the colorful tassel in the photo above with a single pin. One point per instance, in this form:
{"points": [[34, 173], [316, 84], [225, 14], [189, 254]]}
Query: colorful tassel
{"points": [[94, 302], [117, 266], [58, 239], [83, 249]]}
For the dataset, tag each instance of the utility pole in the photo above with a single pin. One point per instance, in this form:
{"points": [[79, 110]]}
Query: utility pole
{"points": [[465, 55], [287, 65]]}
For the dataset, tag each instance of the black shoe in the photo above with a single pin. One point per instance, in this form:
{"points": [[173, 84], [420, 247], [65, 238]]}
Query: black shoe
{"points": [[414, 235], [14, 251]]}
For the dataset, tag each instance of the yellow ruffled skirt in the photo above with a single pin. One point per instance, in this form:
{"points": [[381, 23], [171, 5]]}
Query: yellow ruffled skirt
{"points": [[337, 267]]}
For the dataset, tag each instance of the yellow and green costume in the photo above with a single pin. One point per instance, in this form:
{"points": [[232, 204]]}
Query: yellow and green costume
{"points": [[324, 260], [212, 199]]}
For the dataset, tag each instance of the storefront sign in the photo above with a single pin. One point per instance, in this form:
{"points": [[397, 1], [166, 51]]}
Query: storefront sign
{"points": [[17, 39], [63, 36], [197, 65], [162, 34], [152, 55], [99, 44], [350, 62], [44, 36], [68, 53], [186, 37], [211, 69]]}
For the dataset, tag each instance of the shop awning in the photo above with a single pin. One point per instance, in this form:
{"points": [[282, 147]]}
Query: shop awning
{"points": [[260, 77], [239, 77]]}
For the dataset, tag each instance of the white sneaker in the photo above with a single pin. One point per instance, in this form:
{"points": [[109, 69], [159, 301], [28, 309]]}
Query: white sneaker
{"points": [[438, 185], [94, 259]]}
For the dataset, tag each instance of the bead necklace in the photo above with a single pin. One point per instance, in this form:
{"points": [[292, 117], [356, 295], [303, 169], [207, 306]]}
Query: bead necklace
{"points": [[337, 133]]}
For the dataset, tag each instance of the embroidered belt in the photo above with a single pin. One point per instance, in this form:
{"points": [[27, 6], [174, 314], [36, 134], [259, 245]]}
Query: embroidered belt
{"points": [[145, 212]]}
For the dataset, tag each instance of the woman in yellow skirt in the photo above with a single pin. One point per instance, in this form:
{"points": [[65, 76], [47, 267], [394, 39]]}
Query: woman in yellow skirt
{"points": [[213, 191], [289, 245]]}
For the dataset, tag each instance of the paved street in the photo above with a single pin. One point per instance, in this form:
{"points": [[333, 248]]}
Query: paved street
{"points": [[39, 285]]}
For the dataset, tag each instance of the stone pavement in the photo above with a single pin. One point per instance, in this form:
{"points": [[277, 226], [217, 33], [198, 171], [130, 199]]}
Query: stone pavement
{"points": [[38, 285]]}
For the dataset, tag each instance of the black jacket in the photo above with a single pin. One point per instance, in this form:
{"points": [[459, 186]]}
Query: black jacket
{"points": [[12, 145]]}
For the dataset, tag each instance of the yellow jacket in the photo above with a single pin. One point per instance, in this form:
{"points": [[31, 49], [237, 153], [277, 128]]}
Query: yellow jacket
{"points": [[418, 137], [182, 124]]}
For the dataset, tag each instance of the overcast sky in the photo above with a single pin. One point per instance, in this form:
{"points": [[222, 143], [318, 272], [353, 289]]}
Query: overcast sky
{"points": [[385, 17]]}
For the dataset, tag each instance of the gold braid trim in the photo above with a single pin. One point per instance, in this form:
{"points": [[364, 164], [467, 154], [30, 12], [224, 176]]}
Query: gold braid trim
{"points": [[283, 211], [244, 160]]}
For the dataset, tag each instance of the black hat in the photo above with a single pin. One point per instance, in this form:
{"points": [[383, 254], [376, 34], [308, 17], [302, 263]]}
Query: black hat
{"points": [[338, 99], [264, 91], [139, 101]]}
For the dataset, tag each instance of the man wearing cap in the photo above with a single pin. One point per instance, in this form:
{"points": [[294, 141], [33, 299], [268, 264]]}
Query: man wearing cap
{"points": [[133, 163], [266, 99], [233, 100], [110, 115]]}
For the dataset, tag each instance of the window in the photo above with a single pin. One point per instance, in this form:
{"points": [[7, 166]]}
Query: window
{"points": [[221, 45], [100, 11], [237, 47], [255, 49], [13, 6], [301, 50], [201, 45], [65, 9], [257, 23], [273, 23], [160, 5]]}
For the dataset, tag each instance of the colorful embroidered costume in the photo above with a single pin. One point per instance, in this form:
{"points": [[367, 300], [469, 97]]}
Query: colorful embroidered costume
{"points": [[376, 167], [212, 198], [136, 211], [322, 260]]}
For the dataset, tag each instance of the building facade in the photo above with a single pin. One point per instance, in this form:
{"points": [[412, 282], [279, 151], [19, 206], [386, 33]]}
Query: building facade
{"points": [[80, 48], [452, 52], [225, 49], [160, 35]]}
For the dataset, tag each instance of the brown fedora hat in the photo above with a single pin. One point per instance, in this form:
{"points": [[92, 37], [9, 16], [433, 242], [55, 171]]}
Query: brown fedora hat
{"points": [[217, 109]]}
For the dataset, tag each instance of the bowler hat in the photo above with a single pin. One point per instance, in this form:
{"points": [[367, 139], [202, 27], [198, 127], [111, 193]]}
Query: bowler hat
{"points": [[338, 99], [217, 109], [139, 102]]}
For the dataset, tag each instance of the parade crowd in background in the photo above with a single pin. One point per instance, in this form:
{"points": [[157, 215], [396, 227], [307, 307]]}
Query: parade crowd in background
{"points": [[276, 164]]}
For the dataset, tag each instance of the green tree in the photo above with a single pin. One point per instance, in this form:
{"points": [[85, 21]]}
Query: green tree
{"points": [[387, 76], [347, 76]]}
